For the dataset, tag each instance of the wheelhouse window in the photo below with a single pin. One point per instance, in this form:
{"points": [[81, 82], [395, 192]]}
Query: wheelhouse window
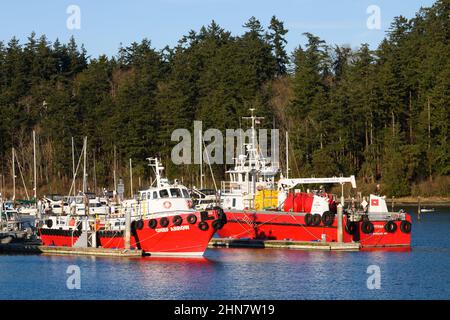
{"points": [[175, 193], [155, 195], [185, 193], [163, 193]]}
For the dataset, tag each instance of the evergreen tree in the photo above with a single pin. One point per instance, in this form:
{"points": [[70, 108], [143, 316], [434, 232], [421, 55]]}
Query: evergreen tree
{"points": [[278, 42]]}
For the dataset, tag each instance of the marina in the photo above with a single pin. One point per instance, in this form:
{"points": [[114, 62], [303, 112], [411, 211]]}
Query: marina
{"points": [[257, 208], [248, 158], [256, 273]]}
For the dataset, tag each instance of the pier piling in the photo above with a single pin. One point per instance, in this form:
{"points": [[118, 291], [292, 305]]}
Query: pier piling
{"points": [[340, 210], [419, 209], [127, 228]]}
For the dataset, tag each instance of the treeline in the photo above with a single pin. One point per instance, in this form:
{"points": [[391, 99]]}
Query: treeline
{"points": [[380, 114]]}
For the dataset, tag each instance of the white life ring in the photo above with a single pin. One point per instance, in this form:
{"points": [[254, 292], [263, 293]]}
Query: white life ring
{"points": [[167, 204]]}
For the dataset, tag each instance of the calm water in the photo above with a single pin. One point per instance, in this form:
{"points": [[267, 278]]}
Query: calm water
{"points": [[422, 273]]}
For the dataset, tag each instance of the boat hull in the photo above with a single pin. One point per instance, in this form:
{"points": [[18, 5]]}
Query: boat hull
{"points": [[380, 237], [178, 238], [279, 225], [186, 234], [58, 238], [276, 225]]}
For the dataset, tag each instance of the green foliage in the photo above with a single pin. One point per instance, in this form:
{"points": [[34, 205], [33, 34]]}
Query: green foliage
{"points": [[383, 114]]}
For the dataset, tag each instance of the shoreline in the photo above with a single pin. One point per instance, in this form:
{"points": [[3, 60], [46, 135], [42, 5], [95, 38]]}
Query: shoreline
{"points": [[435, 201]]}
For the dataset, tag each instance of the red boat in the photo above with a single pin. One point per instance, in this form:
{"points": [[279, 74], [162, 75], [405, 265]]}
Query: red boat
{"points": [[183, 233], [257, 207], [163, 223], [375, 226]]}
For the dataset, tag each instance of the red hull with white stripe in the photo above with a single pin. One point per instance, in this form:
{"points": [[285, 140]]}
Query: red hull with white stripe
{"points": [[176, 239], [186, 234]]}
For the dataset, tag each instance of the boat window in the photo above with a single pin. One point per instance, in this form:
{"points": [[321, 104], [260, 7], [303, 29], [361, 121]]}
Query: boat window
{"points": [[175, 193], [149, 195], [185, 193], [234, 202], [163, 193], [155, 195], [95, 205]]}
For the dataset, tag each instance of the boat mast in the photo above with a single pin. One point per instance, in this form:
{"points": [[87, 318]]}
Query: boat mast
{"points": [[34, 166], [131, 179], [287, 154], [73, 167], [153, 162], [84, 165], [13, 175], [114, 174], [201, 158]]}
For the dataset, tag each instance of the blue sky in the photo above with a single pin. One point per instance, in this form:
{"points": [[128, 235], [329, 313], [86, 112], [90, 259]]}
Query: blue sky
{"points": [[106, 24]]}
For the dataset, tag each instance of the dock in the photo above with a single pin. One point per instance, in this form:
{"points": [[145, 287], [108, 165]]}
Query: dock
{"points": [[32, 248], [283, 244]]}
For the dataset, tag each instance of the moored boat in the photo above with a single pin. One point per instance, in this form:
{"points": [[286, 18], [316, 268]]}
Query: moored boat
{"points": [[163, 223], [259, 207]]}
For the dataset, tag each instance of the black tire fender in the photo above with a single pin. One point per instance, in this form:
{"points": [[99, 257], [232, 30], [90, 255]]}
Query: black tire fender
{"points": [[152, 223], [350, 227], [327, 218], [192, 219], [308, 219], [367, 227], [164, 222], [203, 226], [177, 220], [405, 226], [316, 219], [390, 226]]}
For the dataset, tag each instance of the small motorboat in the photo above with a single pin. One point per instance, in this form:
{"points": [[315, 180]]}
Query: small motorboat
{"points": [[427, 210]]}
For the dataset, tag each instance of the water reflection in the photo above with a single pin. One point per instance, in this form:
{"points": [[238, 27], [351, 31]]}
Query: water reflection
{"points": [[420, 273]]}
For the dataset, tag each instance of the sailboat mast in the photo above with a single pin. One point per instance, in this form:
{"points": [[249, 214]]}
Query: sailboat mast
{"points": [[114, 173], [34, 166], [84, 165], [73, 168], [287, 155], [200, 138], [13, 175], [131, 179]]}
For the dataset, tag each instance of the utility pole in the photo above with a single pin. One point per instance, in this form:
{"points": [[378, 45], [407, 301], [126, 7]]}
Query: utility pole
{"points": [[340, 223]]}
